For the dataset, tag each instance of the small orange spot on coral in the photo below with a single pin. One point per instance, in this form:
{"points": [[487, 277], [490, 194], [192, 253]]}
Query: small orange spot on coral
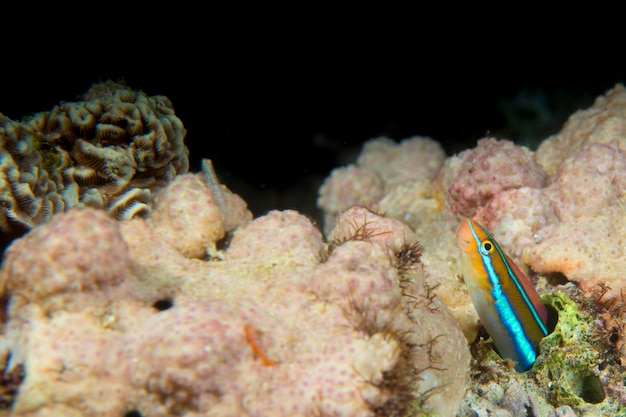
{"points": [[251, 339]]}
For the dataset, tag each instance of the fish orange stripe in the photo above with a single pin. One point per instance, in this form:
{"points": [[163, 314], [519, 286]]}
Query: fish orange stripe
{"points": [[506, 301]]}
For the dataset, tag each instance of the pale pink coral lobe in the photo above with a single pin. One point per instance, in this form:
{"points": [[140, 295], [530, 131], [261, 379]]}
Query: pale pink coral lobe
{"points": [[476, 175], [131, 313], [559, 212]]}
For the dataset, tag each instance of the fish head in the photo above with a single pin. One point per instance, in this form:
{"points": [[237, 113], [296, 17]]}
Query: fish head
{"points": [[476, 243]]}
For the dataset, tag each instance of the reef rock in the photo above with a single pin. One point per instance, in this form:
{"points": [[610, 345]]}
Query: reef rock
{"points": [[601, 123], [381, 166], [201, 311], [559, 213], [473, 177]]}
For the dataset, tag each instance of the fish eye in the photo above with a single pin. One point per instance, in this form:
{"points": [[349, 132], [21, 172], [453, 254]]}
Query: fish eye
{"points": [[486, 247]]}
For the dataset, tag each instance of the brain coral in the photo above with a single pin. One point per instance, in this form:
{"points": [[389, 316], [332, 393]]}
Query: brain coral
{"points": [[113, 150], [27, 193], [126, 320]]}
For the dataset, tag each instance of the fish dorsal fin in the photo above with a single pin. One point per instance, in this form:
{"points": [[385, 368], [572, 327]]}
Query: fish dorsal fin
{"points": [[529, 290]]}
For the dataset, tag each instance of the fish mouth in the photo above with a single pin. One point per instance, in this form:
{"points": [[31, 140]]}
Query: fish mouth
{"points": [[464, 235]]}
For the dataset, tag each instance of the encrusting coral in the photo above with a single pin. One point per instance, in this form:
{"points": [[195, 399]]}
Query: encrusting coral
{"points": [[201, 311], [113, 150], [558, 212], [382, 166], [473, 177]]}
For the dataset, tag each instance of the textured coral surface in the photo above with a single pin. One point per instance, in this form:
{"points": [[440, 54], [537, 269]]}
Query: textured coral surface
{"points": [[381, 166], [112, 150], [473, 177], [29, 196], [559, 213], [203, 312]]}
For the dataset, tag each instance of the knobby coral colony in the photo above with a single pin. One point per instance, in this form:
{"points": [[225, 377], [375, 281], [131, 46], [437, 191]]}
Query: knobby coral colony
{"points": [[558, 211], [112, 150], [270, 328], [404, 383]]}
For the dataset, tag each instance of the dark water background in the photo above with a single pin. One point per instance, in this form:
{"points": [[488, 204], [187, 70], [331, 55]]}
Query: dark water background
{"points": [[276, 125]]}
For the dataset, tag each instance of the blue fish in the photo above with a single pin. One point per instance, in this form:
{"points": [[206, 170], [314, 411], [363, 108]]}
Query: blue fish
{"points": [[506, 301]]}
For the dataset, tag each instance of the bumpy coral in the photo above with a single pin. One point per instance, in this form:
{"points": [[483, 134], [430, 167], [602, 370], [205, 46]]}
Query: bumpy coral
{"points": [[520, 218], [587, 194], [587, 246], [382, 166], [69, 265], [187, 216], [575, 225], [559, 213], [413, 199], [110, 318], [395, 163], [473, 177], [349, 186], [588, 182], [113, 150], [602, 123]]}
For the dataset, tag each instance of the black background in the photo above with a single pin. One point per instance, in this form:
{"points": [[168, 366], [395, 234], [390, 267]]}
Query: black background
{"points": [[276, 120]]}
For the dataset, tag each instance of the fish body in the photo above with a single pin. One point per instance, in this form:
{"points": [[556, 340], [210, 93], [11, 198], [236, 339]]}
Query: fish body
{"points": [[506, 301]]}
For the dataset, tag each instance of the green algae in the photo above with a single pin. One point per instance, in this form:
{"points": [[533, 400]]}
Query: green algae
{"points": [[568, 367], [571, 369], [50, 157]]}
